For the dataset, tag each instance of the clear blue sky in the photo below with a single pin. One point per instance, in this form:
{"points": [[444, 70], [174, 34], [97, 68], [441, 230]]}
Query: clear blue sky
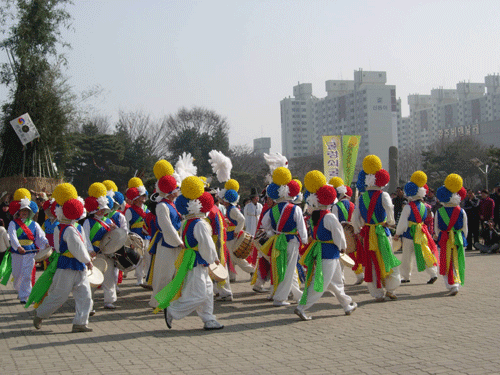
{"points": [[240, 58]]}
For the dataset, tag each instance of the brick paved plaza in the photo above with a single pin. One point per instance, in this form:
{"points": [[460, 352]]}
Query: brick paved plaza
{"points": [[424, 332]]}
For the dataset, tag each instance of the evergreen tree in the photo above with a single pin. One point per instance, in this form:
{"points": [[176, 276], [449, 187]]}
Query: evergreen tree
{"points": [[35, 86]]}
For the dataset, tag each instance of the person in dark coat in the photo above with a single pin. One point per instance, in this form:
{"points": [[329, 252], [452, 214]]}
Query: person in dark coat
{"points": [[471, 207]]}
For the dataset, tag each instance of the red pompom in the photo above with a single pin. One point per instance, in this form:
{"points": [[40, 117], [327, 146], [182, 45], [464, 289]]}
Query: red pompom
{"points": [[73, 209], [293, 188], [132, 193], [167, 184], [349, 191], [91, 204], [426, 189], [207, 201], [14, 206], [462, 193], [326, 195], [53, 206], [46, 205], [382, 178]]}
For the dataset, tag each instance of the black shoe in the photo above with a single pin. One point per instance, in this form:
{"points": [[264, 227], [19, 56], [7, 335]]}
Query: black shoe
{"points": [[432, 280], [403, 281], [168, 318], [23, 302]]}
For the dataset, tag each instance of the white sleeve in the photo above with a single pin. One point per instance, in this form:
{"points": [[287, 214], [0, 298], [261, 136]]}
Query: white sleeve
{"points": [[403, 220], [123, 222], [5, 239], [335, 211], [128, 217], [266, 223], [258, 210], [40, 240], [389, 208], [203, 234], [465, 228], [436, 226], [14, 242], [86, 234], [333, 225], [76, 246], [301, 224], [170, 234], [236, 214], [357, 220]]}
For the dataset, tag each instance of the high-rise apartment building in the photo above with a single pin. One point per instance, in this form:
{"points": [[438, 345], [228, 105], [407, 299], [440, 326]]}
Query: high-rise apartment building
{"points": [[365, 106]]}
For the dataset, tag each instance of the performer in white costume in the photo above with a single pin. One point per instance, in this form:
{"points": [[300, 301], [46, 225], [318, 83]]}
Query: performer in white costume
{"points": [[71, 273], [322, 255], [252, 212], [169, 222]]}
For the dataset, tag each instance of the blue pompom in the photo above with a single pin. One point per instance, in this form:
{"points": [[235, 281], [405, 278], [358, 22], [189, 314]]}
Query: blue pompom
{"points": [[118, 197], [306, 195], [110, 202], [360, 184], [33, 207], [181, 204], [231, 196], [411, 189], [443, 194], [272, 191]]}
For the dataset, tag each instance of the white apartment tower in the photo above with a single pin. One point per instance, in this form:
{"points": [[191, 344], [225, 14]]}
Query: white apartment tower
{"points": [[365, 106]]}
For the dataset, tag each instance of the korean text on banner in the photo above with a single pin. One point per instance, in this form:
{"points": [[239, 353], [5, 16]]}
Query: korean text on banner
{"points": [[332, 156]]}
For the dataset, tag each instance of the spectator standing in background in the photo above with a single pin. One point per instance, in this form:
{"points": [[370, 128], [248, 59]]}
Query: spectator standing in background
{"points": [[496, 198], [398, 203], [471, 207], [486, 207]]}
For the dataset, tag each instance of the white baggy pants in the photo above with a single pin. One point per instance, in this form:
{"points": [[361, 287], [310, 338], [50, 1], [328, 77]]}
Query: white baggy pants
{"points": [[164, 269], [22, 267], [64, 282], [407, 260]]}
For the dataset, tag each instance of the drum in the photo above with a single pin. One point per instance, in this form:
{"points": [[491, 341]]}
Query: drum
{"points": [[101, 264], [350, 237], [260, 238], [95, 277], [244, 245], [127, 258], [43, 254], [347, 260], [113, 240], [217, 272]]}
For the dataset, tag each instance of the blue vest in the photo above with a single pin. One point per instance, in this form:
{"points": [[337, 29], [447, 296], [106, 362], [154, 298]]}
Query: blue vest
{"points": [[135, 217], [192, 242], [99, 234], [66, 259], [174, 218], [379, 211], [328, 250], [347, 206], [458, 225], [230, 234], [22, 236], [290, 225], [412, 217], [115, 218]]}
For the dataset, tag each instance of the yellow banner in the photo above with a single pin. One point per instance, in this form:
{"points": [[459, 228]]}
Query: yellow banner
{"points": [[332, 156]]}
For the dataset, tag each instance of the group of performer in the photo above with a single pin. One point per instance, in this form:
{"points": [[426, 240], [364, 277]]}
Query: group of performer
{"points": [[195, 234]]}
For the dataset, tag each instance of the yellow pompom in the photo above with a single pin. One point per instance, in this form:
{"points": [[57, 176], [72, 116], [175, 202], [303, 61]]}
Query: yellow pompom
{"points": [[110, 185], [204, 179], [372, 164], [282, 176], [97, 190], [192, 187], [135, 182], [232, 184], [314, 180], [336, 182], [298, 181], [419, 178], [162, 168], [353, 142], [453, 182], [63, 193], [22, 193]]}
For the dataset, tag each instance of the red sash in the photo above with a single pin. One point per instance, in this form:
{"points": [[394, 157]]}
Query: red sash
{"points": [[61, 231], [103, 224], [139, 211], [351, 210], [316, 227], [25, 229]]}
